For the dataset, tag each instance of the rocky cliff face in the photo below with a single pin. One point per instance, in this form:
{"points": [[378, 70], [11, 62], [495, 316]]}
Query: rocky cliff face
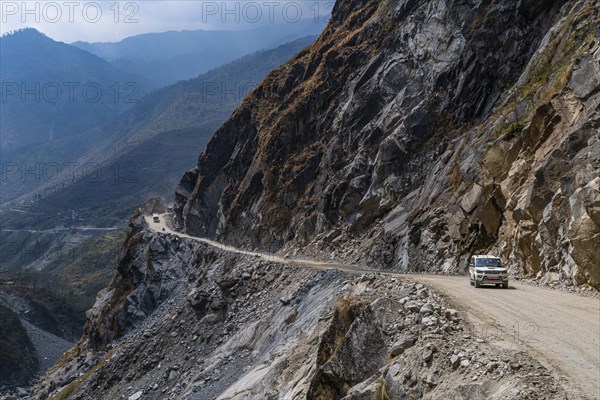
{"points": [[185, 321], [415, 133]]}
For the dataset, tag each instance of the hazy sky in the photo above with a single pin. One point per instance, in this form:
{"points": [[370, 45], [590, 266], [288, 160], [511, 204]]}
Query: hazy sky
{"points": [[112, 20]]}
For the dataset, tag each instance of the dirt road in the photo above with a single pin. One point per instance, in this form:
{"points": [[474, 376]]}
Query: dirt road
{"points": [[561, 330]]}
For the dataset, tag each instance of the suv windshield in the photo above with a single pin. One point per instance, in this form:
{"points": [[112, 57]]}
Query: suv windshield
{"points": [[488, 262]]}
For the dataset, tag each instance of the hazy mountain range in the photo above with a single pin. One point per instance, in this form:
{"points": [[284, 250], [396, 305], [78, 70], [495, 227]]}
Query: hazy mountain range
{"points": [[52, 90], [167, 57]]}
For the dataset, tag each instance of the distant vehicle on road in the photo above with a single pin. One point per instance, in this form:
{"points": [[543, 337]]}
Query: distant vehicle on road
{"points": [[155, 217], [487, 270]]}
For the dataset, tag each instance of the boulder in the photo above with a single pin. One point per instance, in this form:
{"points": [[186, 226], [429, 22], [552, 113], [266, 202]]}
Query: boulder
{"points": [[401, 345]]}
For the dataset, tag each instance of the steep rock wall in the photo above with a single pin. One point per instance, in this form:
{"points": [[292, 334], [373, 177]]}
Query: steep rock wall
{"points": [[415, 133]]}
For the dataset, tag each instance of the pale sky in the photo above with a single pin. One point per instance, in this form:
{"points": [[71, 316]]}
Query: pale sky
{"points": [[93, 21]]}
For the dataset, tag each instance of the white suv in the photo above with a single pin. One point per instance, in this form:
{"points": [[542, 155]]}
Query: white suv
{"points": [[487, 270]]}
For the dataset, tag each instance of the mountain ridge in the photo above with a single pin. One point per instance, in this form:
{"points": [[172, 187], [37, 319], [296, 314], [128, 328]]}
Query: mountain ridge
{"points": [[53, 95], [167, 57], [58, 57]]}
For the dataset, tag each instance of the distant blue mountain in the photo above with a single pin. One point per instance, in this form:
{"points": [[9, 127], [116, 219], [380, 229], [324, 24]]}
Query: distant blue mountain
{"points": [[171, 56], [51, 90]]}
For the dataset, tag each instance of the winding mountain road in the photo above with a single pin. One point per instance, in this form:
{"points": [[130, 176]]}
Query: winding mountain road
{"points": [[561, 330]]}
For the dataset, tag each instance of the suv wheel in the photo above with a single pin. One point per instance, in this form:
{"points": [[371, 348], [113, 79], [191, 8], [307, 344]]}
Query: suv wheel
{"points": [[476, 283], [505, 285]]}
